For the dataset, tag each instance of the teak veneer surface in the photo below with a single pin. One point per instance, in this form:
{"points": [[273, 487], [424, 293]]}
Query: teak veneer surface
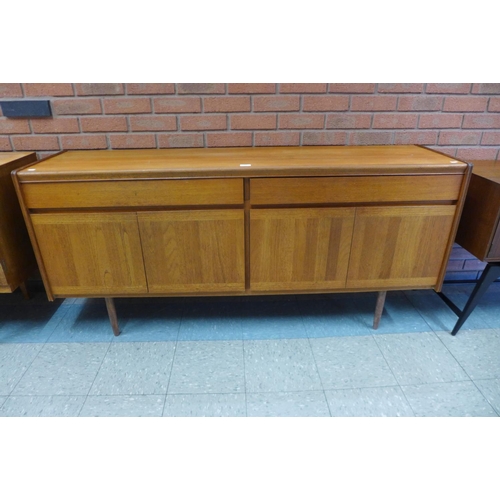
{"points": [[241, 162], [300, 248], [479, 229], [91, 253], [194, 222], [194, 250], [366, 189], [9, 158], [173, 192], [489, 169], [398, 246], [17, 260]]}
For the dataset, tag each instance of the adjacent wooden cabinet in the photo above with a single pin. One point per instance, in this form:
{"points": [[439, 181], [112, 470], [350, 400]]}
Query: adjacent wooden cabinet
{"points": [[479, 229], [242, 220], [17, 260], [479, 232]]}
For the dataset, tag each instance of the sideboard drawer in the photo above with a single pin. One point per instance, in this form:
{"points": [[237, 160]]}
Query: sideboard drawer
{"points": [[366, 189], [137, 193]]}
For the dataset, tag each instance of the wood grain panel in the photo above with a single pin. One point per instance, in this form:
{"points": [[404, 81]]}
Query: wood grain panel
{"points": [[3, 280], [194, 250], [133, 193], [299, 249], [91, 253], [17, 259], [402, 188], [257, 162], [399, 246], [480, 215]]}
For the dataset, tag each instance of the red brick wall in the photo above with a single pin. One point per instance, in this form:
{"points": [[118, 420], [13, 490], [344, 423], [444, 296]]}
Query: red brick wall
{"points": [[460, 119], [463, 266]]}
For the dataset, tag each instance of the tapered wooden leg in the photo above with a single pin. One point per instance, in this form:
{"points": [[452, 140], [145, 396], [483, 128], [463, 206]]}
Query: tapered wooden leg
{"points": [[379, 308], [24, 290], [110, 305]]}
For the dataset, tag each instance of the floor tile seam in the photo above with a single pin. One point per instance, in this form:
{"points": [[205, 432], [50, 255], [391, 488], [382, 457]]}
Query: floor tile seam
{"points": [[324, 397], [394, 375], [418, 311], [93, 381], [393, 386], [68, 308], [244, 378], [486, 398], [452, 355], [316, 366], [126, 394], [162, 394], [383, 356], [28, 367], [327, 388], [232, 393], [310, 391], [486, 379], [433, 328], [300, 308], [63, 395], [317, 391], [388, 387], [483, 315], [327, 403], [446, 383], [80, 395], [173, 359]]}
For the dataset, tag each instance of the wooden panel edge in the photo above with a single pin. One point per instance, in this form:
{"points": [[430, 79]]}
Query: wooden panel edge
{"points": [[454, 227], [31, 232]]}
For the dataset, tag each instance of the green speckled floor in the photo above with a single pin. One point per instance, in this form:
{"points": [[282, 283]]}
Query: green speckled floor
{"points": [[288, 356]]}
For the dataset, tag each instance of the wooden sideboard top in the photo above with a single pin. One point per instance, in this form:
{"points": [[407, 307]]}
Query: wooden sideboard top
{"points": [[6, 158], [242, 162], [488, 169]]}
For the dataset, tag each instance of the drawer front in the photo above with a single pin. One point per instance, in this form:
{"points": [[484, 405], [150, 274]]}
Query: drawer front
{"points": [[191, 192], [309, 190]]}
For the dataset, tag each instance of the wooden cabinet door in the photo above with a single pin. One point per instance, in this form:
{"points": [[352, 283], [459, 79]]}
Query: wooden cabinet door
{"points": [[299, 248], [91, 253], [399, 246], [189, 251]]}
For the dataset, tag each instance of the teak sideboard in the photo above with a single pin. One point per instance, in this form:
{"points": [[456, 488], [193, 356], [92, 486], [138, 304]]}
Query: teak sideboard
{"points": [[241, 221], [17, 260]]}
